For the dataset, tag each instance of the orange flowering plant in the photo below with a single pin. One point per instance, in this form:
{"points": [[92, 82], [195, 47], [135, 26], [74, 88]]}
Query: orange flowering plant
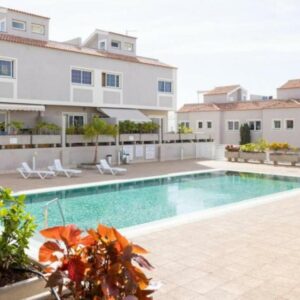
{"points": [[99, 265]]}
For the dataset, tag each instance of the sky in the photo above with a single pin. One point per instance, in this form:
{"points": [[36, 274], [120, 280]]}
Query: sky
{"points": [[255, 43]]}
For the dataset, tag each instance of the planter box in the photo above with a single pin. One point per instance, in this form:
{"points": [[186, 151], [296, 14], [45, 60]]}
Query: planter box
{"points": [[76, 139], [232, 155], [15, 140], [202, 136], [256, 156], [23, 289], [291, 158], [134, 137], [46, 139], [106, 139], [187, 136], [170, 137], [149, 137]]}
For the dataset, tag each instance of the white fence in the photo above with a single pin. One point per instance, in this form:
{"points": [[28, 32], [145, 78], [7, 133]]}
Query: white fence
{"points": [[10, 159]]}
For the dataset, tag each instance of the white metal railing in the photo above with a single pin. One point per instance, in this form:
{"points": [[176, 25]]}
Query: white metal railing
{"points": [[46, 211]]}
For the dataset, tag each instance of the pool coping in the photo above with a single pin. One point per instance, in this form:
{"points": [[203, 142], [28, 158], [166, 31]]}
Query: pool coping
{"points": [[168, 223]]}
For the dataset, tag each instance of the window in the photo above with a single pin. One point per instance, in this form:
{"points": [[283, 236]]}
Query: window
{"points": [[3, 25], [289, 124], [76, 121], [6, 68], [102, 45], [209, 125], [82, 77], [18, 25], [185, 124], [116, 44], [111, 80], [200, 125], [233, 125], [128, 46], [255, 125], [38, 28], [276, 124], [165, 86]]}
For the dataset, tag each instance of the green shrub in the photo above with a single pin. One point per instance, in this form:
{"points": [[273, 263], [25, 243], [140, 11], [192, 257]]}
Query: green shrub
{"points": [[127, 126], [16, 126], [245, 134], [42, 127], [251, 147], [18, 227], [183, 129]]}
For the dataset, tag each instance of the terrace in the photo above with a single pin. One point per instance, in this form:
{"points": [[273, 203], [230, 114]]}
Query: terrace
{"points": [[249, 251]]}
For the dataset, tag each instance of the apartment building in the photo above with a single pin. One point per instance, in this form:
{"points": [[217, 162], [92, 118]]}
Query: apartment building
{"points": [[67, 83], [274, 119]]}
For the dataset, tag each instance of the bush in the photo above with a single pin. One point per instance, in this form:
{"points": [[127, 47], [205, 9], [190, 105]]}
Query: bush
{"points": [[46, 128], [232, 148], [183, 129], [251, 147], [245, 134], [102, 264], [126, 127], [75, 130], [18, 227], [279, 146]]}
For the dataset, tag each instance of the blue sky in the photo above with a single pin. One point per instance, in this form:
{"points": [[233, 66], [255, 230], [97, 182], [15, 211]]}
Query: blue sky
{"points": [[213, 42]]}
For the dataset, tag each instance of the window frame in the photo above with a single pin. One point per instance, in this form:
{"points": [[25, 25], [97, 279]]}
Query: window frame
{"points": [[81, 76], [3, 21], [285, 123], [255, 125], [106, 80], [164, 81], [126, 49], [105, 45], [75, 114], [187, 124], [200, 121], [273, 124], [233, 125], [40, 25], [18, 21], [12, 68], [209, 128], [117, 42]]}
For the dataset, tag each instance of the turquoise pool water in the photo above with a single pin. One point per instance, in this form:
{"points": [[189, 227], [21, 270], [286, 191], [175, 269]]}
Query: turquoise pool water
{"points": [[132, 203]]}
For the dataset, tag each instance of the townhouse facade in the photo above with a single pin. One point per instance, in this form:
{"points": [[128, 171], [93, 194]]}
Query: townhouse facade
{"points": [[275, 120], [67, 83]]}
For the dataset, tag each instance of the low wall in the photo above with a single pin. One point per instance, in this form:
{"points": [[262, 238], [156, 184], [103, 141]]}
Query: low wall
{"points": [[10, 159]]}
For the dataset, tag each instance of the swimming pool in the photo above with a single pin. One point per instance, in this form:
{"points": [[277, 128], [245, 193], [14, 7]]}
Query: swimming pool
{"points": [[138, 202]]}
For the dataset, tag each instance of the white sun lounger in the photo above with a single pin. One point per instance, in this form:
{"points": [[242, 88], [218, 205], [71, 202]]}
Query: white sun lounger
{"points": [[59, 169], [27, 172], [104, 167]]}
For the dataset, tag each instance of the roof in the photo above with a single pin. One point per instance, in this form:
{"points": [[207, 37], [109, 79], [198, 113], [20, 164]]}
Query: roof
{"points": [[245, 105], [219, 90], [25, 13], [81, 50], [291, 84]]}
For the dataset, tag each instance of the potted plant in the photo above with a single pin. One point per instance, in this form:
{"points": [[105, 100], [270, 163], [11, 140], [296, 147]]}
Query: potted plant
{"points": [[15, 127], [93, 131], [284, 153], [18, 275], [232, 152], [254, 151], [99, 264]]}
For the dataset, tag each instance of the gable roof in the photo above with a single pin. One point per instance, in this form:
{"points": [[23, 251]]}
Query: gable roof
{"points": [[219, 90], [82, 50], [24, 12], [236, 106], [291, 84]]}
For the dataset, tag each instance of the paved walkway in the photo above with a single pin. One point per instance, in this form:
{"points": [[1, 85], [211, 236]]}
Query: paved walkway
{"points": [[252, 253]]}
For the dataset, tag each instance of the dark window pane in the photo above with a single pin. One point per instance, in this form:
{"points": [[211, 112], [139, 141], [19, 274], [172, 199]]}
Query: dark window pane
{"points": [[168, 87], [6, 68], [161, 86], [76, 76], [86, 77]]}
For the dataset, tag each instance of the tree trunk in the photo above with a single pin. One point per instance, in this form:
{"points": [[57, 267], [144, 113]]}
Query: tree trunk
{"points": [[96, 151]]}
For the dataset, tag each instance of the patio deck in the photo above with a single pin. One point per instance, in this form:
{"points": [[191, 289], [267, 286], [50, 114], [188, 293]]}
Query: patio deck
{"points": [[252, 253]]}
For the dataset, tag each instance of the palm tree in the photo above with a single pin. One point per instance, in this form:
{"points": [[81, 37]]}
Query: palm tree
{"points": [[96, 128]]}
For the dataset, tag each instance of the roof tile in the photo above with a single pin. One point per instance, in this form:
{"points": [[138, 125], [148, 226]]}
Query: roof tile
{"points": [[219, 90], [236, 106], [82, 50], [291, 84]]}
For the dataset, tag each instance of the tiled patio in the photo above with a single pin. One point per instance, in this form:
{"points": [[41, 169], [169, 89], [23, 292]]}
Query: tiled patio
{"points": [[253, 253]]}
